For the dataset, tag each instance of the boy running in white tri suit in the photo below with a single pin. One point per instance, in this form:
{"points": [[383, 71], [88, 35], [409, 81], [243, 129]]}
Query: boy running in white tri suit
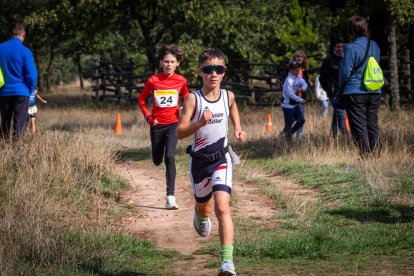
{"points": [[205, 116]]}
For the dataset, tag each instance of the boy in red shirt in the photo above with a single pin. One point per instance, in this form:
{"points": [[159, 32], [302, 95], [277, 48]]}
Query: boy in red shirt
{"points": [[165, 88]]}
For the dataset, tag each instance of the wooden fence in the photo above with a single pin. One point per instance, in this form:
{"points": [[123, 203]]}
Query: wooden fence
{"points": [[253, 83], [118, 80]]}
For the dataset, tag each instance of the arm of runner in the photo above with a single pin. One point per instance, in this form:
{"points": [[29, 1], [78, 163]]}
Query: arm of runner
{"points": [[142, 99], [185, 91], [235, 118], [185, 128]]}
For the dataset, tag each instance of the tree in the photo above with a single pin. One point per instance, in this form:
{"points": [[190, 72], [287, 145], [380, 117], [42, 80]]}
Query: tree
{"points": [[401, 13], [70, 28]]}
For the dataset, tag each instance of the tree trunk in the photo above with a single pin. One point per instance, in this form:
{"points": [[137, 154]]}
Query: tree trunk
{"points": [[49, 69], [393, 64], [78, 63], [250, 81], [40, 80]]}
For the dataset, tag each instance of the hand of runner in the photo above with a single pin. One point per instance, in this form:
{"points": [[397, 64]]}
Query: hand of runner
{"points": [[207, 116], [151, 120], [241, 135]]}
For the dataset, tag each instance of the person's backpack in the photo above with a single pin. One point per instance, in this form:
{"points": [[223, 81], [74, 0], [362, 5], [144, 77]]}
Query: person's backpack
{"points": [[373, 77], [1, 79]]}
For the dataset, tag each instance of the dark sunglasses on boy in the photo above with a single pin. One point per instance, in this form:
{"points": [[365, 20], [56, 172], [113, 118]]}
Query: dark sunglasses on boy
{"points": [[209, 69]]}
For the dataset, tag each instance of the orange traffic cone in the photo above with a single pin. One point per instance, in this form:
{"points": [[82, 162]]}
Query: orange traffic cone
{"points": [[269, 123], [118, 124], [348, 127]]}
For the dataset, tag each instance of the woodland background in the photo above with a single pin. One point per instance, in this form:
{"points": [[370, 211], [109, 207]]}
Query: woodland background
{"points": [[68, 37]]}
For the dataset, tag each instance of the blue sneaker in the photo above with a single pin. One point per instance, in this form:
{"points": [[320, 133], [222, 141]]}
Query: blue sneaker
{"points": [[227, 268], [203, 228]]}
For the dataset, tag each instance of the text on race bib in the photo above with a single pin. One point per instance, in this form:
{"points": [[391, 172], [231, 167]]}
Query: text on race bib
{"points": [[166, 98]]}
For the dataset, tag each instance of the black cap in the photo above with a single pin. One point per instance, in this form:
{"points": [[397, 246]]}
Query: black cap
{"points": [[294, 64]]}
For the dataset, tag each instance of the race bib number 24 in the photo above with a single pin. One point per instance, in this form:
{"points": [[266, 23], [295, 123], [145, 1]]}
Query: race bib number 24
{"points": [[166, 98]]}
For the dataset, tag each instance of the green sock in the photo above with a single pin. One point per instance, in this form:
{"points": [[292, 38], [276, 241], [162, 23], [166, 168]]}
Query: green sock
{"points": [[203, 218], [226, 252]]}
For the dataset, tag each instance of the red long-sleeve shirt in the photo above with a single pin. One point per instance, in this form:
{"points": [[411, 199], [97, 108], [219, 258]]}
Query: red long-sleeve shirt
{"points": [[165, 92]]}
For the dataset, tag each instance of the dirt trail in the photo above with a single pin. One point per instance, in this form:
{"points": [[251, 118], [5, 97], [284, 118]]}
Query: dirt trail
{"points": [[172, 229]]}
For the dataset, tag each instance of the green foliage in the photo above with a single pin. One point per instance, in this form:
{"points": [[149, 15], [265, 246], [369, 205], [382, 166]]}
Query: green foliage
{"points": [[297, 30], [402, 10], [254, 30], [192, 49]]}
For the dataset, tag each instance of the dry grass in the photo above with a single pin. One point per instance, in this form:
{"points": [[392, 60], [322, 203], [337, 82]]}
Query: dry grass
{"points": [[397, 135], [318, 147], [50, 190], [49, 183]]}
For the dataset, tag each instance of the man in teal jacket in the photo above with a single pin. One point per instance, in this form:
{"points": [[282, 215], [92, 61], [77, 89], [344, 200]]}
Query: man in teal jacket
{"points": [[20, 77]]}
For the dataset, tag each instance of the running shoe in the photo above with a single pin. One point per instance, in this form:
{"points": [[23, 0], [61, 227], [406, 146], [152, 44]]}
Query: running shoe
{"points": [[202, 227], [227, 268], [170, 202]]}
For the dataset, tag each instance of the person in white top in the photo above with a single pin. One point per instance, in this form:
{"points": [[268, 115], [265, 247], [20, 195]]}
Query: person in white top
{"points": [[322, 97], [205, 116]]}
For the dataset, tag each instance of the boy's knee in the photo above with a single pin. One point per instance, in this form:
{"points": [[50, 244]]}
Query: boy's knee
{"points": [[222, 209]]}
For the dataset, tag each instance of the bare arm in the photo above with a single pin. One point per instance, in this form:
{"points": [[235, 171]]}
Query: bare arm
{"points": [[185, 128], [235, 119], [40, 98]]}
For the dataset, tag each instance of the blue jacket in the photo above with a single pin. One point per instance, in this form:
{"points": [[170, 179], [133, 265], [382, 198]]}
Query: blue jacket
{"points": [[354, 53], [19, 68]]}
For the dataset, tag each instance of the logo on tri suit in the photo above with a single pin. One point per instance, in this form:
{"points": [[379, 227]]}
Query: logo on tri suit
{"points": [[217, 180]]}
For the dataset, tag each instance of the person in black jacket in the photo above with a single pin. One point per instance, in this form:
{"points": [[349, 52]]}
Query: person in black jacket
{"points": [[329, 80]]}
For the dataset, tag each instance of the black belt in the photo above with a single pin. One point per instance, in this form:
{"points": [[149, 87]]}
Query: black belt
{"points": [[208, 157]]}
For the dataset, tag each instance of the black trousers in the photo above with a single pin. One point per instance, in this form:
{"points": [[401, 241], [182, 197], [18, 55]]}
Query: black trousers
{"points": [[163, 144], [362, 113], [13, 109]]}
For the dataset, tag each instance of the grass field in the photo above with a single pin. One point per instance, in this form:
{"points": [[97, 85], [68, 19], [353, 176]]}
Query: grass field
{"points": [[59, 197]]}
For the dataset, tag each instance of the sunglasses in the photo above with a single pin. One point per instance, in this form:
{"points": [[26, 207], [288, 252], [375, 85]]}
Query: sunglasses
{"points": [[209, 69]]}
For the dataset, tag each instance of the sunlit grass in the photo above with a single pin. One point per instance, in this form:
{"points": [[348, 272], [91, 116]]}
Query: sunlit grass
{"points": [[58, 192]]}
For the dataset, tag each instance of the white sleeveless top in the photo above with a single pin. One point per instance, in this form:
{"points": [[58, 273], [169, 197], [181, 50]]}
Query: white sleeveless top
{"points": [[213, 136]]}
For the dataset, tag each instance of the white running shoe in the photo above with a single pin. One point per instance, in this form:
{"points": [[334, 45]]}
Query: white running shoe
{"points": [[202, 228], [170, 202], [227, 268]]}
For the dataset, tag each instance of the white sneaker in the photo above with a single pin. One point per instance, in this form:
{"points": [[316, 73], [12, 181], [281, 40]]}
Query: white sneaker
{"points": [[202, 228], [227, 268], [170, 202]]}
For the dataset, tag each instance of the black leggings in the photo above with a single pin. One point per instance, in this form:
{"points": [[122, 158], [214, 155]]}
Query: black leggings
{"points": [[164, 143]]}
